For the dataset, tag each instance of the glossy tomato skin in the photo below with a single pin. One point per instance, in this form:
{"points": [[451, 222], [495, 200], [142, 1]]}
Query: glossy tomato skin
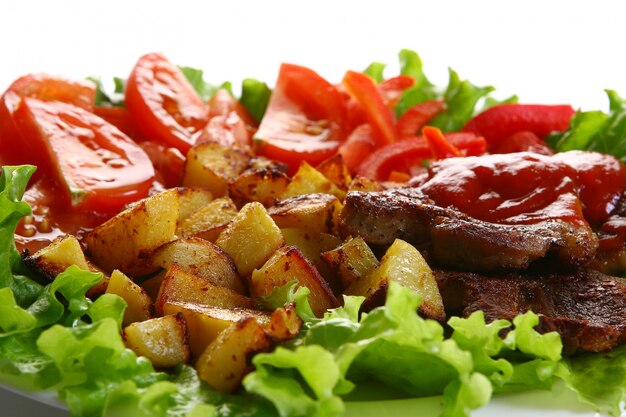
{"points": [[43, 87], [98, 167], [229, 123], [499, 122], [414, 119], [162, 105], [304, 120]]}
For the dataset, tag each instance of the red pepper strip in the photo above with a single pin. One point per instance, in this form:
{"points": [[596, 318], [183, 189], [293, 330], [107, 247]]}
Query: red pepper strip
{"points": [[499, 122], [392, 88], [380, 117], [415, 118], [524, 141], [357, 147], [439, 146]]}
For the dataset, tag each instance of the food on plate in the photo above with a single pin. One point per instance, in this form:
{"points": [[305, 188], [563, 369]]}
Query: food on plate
{"points": [[286, 252]]}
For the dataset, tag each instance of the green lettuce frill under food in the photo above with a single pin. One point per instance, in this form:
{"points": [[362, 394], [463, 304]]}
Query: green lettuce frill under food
{"points": [[55, 338]]}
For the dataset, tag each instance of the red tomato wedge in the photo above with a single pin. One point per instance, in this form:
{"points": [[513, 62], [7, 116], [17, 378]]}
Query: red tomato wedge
{"points": [[359, 145], [499, 122], [392, 88], [43, 87], [406, 154], [99, 167], [162, 105], [229, 122], [365, 91], [304, 119], [415, 118]]}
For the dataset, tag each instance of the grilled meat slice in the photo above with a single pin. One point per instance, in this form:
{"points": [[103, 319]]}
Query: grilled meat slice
{"points": [[587, 308], [458, 240]]}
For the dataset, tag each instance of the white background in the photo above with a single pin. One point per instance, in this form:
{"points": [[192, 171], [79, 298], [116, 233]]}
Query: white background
{"points": [[543, 50]]}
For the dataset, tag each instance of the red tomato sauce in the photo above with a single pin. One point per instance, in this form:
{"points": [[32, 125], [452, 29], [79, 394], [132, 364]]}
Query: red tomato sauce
{"points": [[525, 188]]}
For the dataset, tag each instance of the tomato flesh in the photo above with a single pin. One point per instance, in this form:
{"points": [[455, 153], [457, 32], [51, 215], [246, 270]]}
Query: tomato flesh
{"points": [[98, 166], [162, 105]]}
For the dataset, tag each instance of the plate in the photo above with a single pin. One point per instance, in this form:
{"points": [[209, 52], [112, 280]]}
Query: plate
{"points": [[559, 402]]}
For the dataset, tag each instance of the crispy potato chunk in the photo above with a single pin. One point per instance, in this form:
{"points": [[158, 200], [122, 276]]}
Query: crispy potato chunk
{"points": [[403, 264], [226, 360], [352, 261], [213, 166], [201, 258], [60, 254], [191, 200], [126, 241], [251, 238], [163, 340], [314, 213], [179, 285], [206, 322], [284, 323], [140, 306], [308, 180], [265, 185], [153, 284], [336, 171], [288, 264], [209, 221], [365, 184]]}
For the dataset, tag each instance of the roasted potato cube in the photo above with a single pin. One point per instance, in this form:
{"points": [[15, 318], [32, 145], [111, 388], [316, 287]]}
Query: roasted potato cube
{"points": [[336, 171], [288, 264], [261, 162], [226, 360], [60, 254], [140, 306], [251, 238], [264, 185], [212, 166], [284, 323], [312, 245], [403, 264], [209, 221], [179, 285], [201, 258], [163, 340], [365, 184], [314, 213], [308, 180], [126, 241], [191, 200], [206, 322], [153, 284], [352, 261]]}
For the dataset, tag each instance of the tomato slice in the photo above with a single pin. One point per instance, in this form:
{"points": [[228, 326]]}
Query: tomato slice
{"points": [[229, 124], [498, 123], [415, 118], [365, 91], [406, 154], [359, 145], [162, 105], [304, 120], [392, 88], [99, 167], [43, 87]]}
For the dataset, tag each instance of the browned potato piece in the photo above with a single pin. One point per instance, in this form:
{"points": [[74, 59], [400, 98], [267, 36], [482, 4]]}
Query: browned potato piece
{"points": [[139, 303], [179, 285], [403, 264], [209, 221], [308, 180], [336, 171], [206, 322], [289, 264], [314, 213], [126, 241], [226, 360], [312, 245], [264, 163], [163, 340], [212, 166], [365, 184], [284, 323], [251, 238], [264, 185], [352, 261], [201, 258], [153, 284], [191, 200], [60, 254]]}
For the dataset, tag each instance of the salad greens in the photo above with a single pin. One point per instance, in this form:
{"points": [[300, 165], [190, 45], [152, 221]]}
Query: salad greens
{"points": [[54, 337]]}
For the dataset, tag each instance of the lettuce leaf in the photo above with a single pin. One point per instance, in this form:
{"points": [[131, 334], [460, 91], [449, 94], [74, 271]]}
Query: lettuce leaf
{"points": [[255, 96], [376, 70]]}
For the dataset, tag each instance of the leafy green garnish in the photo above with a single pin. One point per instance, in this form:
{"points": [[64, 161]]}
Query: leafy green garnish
{"points": [[205, 90], [105, 98], [376, 70], [255, 96]]}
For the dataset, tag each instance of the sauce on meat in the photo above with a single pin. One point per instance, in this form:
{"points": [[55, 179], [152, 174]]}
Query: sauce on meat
{"points": [[525, 188]]}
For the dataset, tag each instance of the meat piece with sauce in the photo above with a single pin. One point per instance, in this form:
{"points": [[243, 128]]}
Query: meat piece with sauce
{"points": [[587, 308], [496, 211]]}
